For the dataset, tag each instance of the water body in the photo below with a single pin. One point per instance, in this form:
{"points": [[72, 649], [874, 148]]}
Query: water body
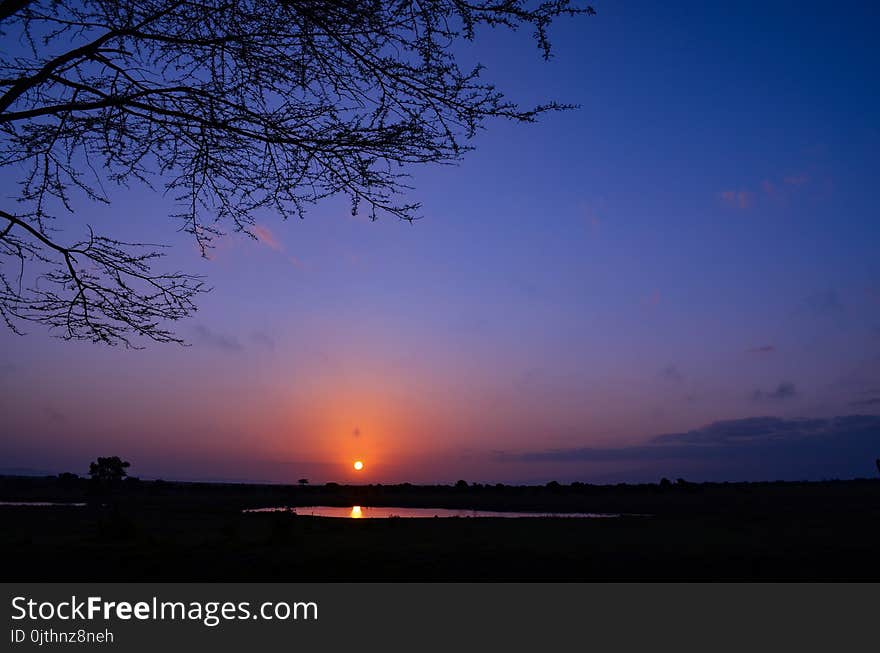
{"points": [[385, 512]]}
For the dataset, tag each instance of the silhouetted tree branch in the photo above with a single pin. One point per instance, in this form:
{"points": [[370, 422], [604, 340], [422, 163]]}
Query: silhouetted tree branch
{"points": [[232, 106]]}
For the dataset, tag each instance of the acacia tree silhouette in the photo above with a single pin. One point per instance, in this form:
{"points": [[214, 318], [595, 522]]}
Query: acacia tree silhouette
{"points": [[231, 106], [111, 469]]}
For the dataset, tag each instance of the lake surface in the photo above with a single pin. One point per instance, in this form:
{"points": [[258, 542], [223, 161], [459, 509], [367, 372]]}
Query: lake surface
{"points": [[384, 512]]}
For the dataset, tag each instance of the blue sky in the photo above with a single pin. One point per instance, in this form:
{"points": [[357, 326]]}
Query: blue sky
{"points": [[697, 243]]}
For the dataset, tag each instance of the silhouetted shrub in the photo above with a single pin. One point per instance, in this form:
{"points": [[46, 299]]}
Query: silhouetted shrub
{"points": [[109, 470], [68, 479]]}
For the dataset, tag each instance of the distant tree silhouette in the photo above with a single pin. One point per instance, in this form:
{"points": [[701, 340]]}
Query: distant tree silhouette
{"points": [[303, 481], [108, 470], [231, 107], [461, 485], [68, 479], [877, 462]]}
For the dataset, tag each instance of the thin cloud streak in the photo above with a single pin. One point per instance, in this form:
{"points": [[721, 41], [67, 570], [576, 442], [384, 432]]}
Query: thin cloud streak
{"points": [[782, 448], [218, 340], [265, 236], [785, 390]]}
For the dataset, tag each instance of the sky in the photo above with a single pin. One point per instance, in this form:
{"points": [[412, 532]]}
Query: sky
{"points": [[680, 278]]}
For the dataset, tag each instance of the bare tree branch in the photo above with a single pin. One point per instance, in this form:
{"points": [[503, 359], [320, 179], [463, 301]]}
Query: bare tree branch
{"points": [[102, 290], [233, 106], [9, 7]]}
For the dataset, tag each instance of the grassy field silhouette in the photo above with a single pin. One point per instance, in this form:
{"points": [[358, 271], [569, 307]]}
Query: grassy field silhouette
{"points": [[197, 531]]}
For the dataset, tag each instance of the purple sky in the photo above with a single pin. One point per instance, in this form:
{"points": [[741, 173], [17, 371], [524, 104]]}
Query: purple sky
{"points": [[681, 278]]}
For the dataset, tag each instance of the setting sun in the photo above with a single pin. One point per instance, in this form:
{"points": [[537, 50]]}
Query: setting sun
{"points": [[358, 465]]}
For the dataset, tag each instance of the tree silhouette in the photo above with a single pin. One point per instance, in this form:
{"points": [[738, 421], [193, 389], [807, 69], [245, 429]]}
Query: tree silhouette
{"points": [[231, 107], [108, 470]]}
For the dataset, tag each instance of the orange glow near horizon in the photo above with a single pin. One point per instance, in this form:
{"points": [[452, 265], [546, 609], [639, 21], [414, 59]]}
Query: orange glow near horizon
{"points": [[356, 512], [358, 465]]}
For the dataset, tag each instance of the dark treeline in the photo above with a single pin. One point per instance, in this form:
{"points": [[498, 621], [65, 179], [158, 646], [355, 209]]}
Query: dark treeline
{"points": [[662, 497], [157, 530], [153, 530]]}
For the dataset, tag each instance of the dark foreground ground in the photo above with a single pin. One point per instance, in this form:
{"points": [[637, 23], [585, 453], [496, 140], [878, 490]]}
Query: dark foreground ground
{"points": [[190, 532]]}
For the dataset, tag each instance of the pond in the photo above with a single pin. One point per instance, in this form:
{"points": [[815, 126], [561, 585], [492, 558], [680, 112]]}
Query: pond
{"points": [[384, 512]]}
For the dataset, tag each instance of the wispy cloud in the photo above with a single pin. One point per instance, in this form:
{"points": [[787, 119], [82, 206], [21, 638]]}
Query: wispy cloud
{"points": [[796, 180], [591, 216], [528, 378], [671, 373], [265, 236], [218, 340], [785, 390], [779, 189], [714, 439], [763, 446], [865, 403], [55, 416], [824, 302], [740, 199], [653, 298], [263, 339], [296, 262]]}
